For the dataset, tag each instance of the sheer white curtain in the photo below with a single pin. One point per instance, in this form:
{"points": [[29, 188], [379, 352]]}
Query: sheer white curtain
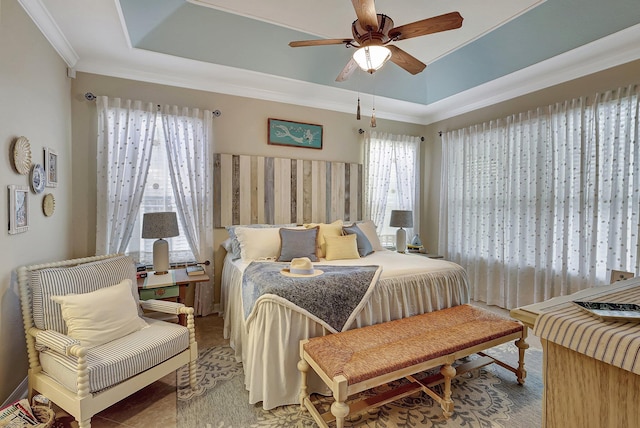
{"points": [[391, 165], [189, 150], [544, 203], [125, 136]]}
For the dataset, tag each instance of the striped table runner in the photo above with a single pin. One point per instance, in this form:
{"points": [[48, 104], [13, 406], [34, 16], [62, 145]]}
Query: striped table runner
{"points": [[615, 343]]}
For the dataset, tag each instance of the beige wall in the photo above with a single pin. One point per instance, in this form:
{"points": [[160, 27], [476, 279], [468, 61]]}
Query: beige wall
{"points": [[586, 86], [34, 102], [241, 129]]}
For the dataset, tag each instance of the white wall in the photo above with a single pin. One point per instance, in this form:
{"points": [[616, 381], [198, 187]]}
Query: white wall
{"points": [[34, 102]]}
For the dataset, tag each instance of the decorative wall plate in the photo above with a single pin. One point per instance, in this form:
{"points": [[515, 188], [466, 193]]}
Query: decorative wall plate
{"points": [[22, 155], [37, 178], [48, 204]]}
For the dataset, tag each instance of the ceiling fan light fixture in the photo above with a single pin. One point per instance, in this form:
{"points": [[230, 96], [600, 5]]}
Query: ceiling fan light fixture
{"points": [[371, 58]]}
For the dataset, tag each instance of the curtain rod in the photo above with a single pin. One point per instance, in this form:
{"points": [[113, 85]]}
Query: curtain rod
{"points": [[90, 97], [362, 131]]}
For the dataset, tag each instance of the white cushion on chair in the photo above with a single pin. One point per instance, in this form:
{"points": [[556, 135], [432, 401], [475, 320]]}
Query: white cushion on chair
{"points": [[82, 278], [120, 359], [102, 315]]}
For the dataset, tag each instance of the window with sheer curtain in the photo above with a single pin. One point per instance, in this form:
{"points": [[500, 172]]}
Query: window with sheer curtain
{"points": [[155, 161], [544, 203], [391, 181], [158, 196]]}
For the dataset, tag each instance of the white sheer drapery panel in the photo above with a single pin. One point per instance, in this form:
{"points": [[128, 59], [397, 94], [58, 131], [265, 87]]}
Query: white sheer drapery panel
{"points": [[188, 134], [407, 157], [381, 152], [125, 135], [377, 162], [544, 203]]}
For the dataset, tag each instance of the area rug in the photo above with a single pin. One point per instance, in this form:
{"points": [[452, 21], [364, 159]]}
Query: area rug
{"points": [[487, 397]]}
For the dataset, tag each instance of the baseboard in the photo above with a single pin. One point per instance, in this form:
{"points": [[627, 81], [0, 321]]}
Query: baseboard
{"points": [[19, 393]]}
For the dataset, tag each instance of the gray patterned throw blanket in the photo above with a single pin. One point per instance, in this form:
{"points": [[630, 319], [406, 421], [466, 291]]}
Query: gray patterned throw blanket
{"points": [[333, 298]]}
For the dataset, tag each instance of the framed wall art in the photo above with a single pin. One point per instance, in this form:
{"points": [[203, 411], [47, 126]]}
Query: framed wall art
{"points": [[296, 134], [51, 167], [18, 209]]}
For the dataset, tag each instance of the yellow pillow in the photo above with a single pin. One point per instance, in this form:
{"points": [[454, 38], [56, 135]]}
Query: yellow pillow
{"points": [[342, 247], [333, 229]]}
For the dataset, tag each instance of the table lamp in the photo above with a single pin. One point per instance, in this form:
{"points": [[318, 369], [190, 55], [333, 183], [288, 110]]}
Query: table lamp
{"points": [[160, 225], [401, 218]]}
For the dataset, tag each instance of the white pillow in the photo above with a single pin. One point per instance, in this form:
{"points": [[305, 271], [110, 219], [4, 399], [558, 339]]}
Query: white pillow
{"points": [[258, 243], [369, 229], [101, 316]]}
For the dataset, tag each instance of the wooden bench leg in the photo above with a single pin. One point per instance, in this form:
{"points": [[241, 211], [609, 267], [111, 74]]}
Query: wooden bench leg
{"points": [[449, 372], [522, 345], [303, 367], [339, 408]]}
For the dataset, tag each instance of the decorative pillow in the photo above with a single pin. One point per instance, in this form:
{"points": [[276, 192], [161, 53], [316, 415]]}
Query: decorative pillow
{"points": [[235, 251], [332, 229], [297, 243], [369, 229], [258, 243], [364, 246], [101, 316], [226, 244], [342, 247]]}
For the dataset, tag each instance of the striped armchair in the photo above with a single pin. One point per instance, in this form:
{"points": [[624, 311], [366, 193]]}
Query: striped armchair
{"points": [[81, 379]]}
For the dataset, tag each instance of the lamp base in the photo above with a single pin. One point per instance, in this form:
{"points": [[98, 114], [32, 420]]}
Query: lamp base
{"points": [[401, 240], [161, 257]]}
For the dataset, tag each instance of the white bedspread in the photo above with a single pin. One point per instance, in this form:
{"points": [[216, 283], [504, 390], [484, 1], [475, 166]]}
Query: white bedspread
{"points": [[268, 347]]}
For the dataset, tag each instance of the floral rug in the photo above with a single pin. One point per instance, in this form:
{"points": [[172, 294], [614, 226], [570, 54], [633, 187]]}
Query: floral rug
{"points": [[487, 397]]}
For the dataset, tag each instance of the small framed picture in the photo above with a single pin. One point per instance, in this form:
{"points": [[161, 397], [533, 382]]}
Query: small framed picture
{"points": [[51, 166], [18, 209]]}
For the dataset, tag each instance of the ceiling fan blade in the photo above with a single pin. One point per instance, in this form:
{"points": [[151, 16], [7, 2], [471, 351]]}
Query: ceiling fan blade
{"points": [[399, 57], [436, 24], [347, 71], [319, 42], [366, 13]]}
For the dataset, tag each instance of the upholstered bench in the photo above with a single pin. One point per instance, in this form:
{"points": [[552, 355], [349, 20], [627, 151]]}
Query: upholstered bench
{"points": [[356, 360]]}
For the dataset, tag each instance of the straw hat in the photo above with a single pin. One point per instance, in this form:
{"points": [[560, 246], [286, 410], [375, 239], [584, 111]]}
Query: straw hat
{"points": [[301, 267]]}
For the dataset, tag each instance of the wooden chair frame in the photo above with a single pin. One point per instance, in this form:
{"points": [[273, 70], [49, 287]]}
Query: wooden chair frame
{"points": [[83, 404]]}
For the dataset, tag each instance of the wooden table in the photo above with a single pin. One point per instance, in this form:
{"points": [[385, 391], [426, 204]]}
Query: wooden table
{"points": [[174, 285], [581, 391]]}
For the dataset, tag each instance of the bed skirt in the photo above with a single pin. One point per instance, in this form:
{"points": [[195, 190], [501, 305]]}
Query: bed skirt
{"points": [[268, 347]]}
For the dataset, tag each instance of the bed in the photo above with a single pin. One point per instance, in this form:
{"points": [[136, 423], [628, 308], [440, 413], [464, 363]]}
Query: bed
{"points": [[267, 342]]}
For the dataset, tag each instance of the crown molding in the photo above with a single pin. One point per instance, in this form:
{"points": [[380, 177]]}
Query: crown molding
{"points": [[153, 67], [610, 51], [48, 27]]}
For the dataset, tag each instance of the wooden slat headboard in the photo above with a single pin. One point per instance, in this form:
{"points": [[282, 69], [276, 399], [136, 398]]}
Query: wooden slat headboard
{"points": [[257, 189]]}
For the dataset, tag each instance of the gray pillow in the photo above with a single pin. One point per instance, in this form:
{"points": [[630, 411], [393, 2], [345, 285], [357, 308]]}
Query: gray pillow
{"points": [[364, 245], [298, 243]]}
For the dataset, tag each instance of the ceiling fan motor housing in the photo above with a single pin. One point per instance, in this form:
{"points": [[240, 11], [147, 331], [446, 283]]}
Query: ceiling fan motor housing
{"points": [[375, 36]]}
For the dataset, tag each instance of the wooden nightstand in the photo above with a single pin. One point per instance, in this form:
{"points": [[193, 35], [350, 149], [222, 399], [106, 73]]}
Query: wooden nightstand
{"points": [[171, 286]]}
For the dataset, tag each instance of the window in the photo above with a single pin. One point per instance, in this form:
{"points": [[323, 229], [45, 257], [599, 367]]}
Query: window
{"points": [[544, 203], [392, 171], [158, 196]]}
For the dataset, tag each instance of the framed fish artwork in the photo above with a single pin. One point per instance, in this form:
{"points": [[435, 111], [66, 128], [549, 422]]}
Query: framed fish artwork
{"points": [[296, 134]]}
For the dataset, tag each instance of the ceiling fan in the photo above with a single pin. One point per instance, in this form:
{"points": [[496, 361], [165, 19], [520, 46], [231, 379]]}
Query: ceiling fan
{"points": [[372, 33]]}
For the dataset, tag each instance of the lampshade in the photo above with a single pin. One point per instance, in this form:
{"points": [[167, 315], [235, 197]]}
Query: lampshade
{"points": [[371, 58], [401, 218], [160, 225]]}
